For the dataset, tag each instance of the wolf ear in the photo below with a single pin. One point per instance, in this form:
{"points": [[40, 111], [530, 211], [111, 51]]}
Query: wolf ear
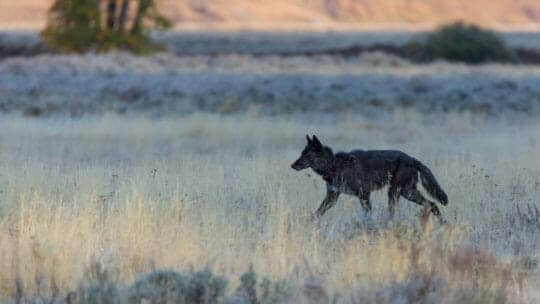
{"points": [[316, 142], [308, 139]]}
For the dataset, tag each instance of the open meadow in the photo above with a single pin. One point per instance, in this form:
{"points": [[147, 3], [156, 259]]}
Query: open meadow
{"points": [[206, 191]]}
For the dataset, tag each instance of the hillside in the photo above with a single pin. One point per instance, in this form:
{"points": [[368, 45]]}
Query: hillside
{"points": [[312, 14]]}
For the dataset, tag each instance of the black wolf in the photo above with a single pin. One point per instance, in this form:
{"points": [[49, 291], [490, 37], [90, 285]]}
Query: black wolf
{"points": [[360, 172]]}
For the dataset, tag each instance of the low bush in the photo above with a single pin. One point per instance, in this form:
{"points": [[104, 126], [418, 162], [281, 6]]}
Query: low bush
{"points": [[264, 292], [168, 286], [459, 42]]}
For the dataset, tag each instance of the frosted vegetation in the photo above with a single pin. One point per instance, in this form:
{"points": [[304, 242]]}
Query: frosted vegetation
{"points": [[287, 42], [91, 205], [200, 42], [164, 84]]}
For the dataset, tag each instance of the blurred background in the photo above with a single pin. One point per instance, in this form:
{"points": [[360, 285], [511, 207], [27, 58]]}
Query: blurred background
{"points": [[234, 56]]}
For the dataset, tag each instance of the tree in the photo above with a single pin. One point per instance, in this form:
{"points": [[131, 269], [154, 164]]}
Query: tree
{"points": [[464, 43], [76, 25]]}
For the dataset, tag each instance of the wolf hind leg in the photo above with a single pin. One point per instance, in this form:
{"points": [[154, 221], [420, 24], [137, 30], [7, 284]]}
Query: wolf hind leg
{"points": [[393, 198], [415, 196]]}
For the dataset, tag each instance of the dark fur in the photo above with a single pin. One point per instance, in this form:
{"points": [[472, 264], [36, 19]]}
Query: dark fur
{"points": [[360, 172]]}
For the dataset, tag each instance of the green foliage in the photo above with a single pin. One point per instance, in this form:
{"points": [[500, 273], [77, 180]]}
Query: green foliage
{"points": [[79, 26], [274, 292], [172, 287], [269, 292], [99, 287], [461, 42], [165, 286], [248, 285], [73, 26], [205, 288]]}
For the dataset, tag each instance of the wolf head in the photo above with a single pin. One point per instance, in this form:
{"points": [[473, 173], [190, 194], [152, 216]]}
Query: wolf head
{"points": [[314, 155]]}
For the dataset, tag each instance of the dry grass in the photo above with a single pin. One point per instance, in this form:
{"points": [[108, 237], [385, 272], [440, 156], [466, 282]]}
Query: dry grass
{"points": [[137, 195]]}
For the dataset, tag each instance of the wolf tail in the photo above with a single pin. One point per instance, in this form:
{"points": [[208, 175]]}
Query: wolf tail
{"points": [[431, 185]]}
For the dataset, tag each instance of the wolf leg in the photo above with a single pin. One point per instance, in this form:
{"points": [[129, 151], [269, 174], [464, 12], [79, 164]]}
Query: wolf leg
{"points": [[413, 195], [329, 201], [393, 198], [365, 202]]}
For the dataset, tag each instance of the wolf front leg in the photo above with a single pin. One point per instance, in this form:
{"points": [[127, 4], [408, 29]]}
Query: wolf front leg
{"points": [[329, 201], [364, 201]]}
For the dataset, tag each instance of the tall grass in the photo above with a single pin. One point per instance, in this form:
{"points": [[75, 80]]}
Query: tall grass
{"points": [[137, 195]]}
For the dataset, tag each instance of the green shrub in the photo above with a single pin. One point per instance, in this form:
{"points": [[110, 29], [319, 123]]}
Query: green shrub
{"points": [[98, 287], [268, 292], [168, 286], [74, 25], [102, 286], [461, 42], [78, 26], [205, 288]]}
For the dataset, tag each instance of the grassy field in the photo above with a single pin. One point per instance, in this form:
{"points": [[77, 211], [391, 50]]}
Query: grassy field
{"points": [[135, 195], [168, 85]]}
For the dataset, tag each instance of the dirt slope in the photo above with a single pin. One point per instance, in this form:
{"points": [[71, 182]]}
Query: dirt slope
{"points": [[316, 14]]}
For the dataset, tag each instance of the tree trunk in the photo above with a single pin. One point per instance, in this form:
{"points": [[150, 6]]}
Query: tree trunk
{"points": [[97, 8], [143, 6], [111, 14], [123, 15]]}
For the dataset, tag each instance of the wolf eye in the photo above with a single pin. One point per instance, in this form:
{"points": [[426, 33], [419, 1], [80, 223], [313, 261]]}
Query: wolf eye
{"points": [[321, 161]]}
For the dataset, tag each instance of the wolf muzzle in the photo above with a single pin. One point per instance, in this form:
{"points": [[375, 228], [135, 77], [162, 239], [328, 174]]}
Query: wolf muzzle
{"points": [[298, 165]]}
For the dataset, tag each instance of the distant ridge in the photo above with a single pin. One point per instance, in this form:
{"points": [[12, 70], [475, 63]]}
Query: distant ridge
{"points": [[313, 14]]}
